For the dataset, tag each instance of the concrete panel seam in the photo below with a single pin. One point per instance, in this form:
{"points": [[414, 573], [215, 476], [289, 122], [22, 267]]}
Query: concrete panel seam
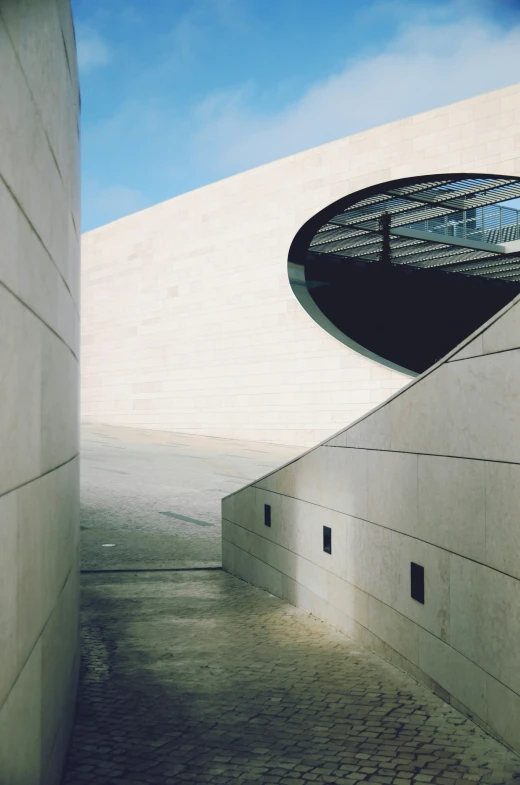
{"points": [[31, 225], [40, 319], [39, 476], [483, 355], [37, 108], [406, 452], [373, 523], [13, 685]]}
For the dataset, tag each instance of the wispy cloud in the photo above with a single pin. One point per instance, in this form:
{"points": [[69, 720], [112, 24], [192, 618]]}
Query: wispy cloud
{"points": [[93, 49], [163, 130], [434, 60]]}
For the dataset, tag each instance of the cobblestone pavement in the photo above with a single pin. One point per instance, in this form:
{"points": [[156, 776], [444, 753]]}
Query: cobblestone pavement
{"points": [[194, 676], [197, 677]]}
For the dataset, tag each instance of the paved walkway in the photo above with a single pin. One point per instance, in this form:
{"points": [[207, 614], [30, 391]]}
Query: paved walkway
{"points": [[193, 676], [155, 497]]}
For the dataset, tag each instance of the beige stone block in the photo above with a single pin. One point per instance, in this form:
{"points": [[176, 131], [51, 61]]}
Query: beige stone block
{"points": [[228, 556], [472, 349], [60, 649], [8, 588], [9, 212], [394, 629], [291, 479], [36, 504], [372, 432], [462, 409], [503, 713], [504, 333], [59, 402], [260, 574], [350, 600], [42, 196], [53, 499], [451, 503], [20, 360], [434, 614], [330, 478], [484, 618], [370, 560], [302, 533], [281, 528], [347, 472], [392, 490], [228, 507], [455, 673], [295, 593], [502, 505], [20, 718], [340, 440], [245, 507], [309, 574]]}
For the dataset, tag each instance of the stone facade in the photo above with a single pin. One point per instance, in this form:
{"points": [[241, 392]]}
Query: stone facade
{"points": [[39, 349], [189, 321]]}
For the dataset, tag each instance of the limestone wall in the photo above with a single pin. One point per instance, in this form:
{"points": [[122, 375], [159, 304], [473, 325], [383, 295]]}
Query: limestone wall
{"points": [[189, 320], [431, 477], [39, 335]]}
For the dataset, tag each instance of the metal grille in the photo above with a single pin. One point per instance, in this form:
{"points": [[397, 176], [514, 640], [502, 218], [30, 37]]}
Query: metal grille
{"points": [[456, 225]]}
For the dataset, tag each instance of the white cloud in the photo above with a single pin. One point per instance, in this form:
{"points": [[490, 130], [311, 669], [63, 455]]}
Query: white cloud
{"points": [[432, 61], [93, 50]]}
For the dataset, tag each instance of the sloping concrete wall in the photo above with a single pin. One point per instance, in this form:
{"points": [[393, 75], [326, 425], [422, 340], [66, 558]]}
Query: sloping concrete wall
{"points": [[39, 336], [189, 320], [433, 477]]}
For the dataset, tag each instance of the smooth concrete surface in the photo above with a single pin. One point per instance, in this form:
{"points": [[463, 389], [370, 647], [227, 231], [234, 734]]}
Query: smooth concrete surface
{"points": [[189, 675], [39, 344], [432, 477]]}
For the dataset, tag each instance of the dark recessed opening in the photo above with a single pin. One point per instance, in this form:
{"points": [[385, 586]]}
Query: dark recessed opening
{"points": [[267, 514], [417, 582], [327, 539], [407, 269]]}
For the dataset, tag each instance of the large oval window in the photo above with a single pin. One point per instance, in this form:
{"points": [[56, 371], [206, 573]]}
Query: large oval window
{"points": [[405, 270]]}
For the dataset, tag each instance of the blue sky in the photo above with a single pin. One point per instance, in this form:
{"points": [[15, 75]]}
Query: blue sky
{"points": [[180, 93]]}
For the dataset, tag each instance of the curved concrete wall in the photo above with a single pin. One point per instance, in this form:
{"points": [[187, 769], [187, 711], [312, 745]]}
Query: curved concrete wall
{"points": [[39, 282], [432, 477]]}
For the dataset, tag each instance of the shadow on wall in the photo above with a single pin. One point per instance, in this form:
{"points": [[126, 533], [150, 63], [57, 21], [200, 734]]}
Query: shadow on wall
{"points": [[431, 477]]}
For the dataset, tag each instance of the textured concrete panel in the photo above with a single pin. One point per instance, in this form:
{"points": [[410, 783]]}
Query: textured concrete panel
{"points": [[39, 338]]}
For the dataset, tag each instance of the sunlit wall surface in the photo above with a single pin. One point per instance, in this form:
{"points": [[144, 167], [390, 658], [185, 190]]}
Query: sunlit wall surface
{"points": [[39, 332]]}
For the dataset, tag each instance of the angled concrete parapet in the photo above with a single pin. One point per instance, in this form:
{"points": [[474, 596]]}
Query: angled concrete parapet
{"points": [[430, 477], [39, 332]]}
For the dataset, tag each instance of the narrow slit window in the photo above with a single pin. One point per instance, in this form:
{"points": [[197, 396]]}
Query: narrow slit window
{"points": [[267, 515], [417, 582], [327, 539]]}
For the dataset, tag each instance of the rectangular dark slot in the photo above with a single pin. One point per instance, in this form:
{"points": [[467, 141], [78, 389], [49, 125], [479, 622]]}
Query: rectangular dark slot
{"points": [[417, 582], [327, 539], [267, 514]]}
